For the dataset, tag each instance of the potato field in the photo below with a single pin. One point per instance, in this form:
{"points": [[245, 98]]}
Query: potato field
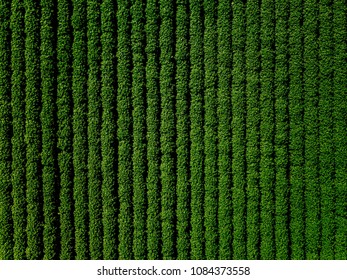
{"points": [[173, 129]]}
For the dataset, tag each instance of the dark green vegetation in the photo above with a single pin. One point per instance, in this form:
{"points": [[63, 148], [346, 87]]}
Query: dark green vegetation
{"points": [[281, 130], [238, 101], [79, 125], [173, 129], [196, 87], [33, 134], [6, 222], [108, 129], [252, 128], [211, 131], [139, 131], [224, 62], [153, 135], [94, 130], [48, 155], [296, 131], [267, 129], [340, 125], [18, 131], [182, 142], [64, 130]]}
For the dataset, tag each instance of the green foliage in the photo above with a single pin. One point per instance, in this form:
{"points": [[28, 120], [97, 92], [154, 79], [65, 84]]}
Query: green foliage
{"points": [[6, 222], [167, 128], [18, 130], [173, 129], [34, 228], [224, 132], [139, 129], [65, 132], [296, 131], [124, 132], [281, 131], [182, 143], [153, 125], [340, 127], [94, 130], [196, 130], [326, 129], [267, 127], [252, 55], [311, 119], [210, 131], [80, 139], [108, 131], [238, 132], [48, 155]]}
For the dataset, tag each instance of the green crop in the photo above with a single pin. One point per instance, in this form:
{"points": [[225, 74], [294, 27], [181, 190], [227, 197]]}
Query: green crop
{"points": [[224, 62], [167, 128], [18, 131], [311, 150], [139, 128], [281, 131], [48, 155], [64, 130], [252, 55], [124, 131], [238, 132], [33, 132], [340, 127], [326, 142], [267, 129], [94, 130], [296, 132], [182, 143], [6, 222], [108, 131], [153, 135], [173, 129], [79, 123], [196, 87], [210, 131]]}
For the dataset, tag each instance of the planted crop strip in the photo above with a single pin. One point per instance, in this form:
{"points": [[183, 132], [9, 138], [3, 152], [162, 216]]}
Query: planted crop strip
{"points": [[153, 124], [326, 142], [252, 127], [267, 127], [196, 132], [6, 222], [33, 131], [139, 131], [80, 139], [49, 186], [238, 132], [124, 131], [340, 128], [94, 131], [281, 131], [296, 132], [65, 132], [311, 119], [18, 130], [224, 131], [182, 142], [211, 131], [167, 128], [108, 131]]}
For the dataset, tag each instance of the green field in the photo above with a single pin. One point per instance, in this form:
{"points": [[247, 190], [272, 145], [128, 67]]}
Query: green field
{"points": [[173, 129]]}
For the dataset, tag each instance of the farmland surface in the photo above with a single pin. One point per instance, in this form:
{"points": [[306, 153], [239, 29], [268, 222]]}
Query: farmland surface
{"points": [[173, 129]]}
